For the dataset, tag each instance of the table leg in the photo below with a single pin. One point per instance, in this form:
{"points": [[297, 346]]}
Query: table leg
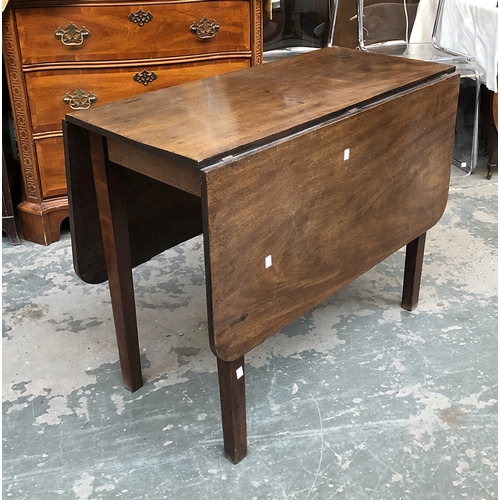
{"points": [[232, 397], [114, 228], [413, 272]]}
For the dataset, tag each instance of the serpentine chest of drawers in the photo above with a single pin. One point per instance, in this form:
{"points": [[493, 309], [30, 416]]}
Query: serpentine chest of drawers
{"points": [[62, 55]]}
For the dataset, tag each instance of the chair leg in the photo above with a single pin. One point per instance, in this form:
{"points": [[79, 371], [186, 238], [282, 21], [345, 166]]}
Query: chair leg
{"points": [[493, 156], [475, 132], [413, 272], [114, 227], [471, 165], [233, 405]]}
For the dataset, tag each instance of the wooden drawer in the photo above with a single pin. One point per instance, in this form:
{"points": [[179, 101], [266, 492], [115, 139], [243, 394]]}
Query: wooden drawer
{"points": [[46, 89], [50, 155], [114, 37]]}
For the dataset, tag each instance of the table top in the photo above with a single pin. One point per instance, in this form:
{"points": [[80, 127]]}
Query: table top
{"points": [[200, 122], [361, 168], [468, 26]]}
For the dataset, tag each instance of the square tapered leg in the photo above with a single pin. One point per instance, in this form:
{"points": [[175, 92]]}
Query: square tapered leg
{"points": [[233, 405], [113, 219], [413, 272]]}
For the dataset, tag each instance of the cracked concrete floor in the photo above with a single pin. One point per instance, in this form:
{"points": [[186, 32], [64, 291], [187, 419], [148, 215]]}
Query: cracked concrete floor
{"points": [[357, 399]]}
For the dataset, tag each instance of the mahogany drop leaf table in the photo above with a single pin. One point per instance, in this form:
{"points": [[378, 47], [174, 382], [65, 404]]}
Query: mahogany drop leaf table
{"points": [[302, 174]]}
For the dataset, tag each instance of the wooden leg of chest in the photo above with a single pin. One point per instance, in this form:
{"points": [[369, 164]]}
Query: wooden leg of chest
{"points": [[113, 219], [413, 272], [233, 405]]}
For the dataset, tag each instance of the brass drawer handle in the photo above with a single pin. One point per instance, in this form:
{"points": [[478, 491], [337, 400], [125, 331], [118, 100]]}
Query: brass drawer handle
{"points": [[140, 17], [145, 77], [71, 35], [79, 100], [205, 28]]}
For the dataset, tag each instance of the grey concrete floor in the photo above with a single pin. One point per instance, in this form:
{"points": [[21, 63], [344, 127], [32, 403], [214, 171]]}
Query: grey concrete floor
{"points": [[358, 399]]}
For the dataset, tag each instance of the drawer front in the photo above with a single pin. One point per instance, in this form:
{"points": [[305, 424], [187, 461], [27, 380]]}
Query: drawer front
{"points": [[50, 156], [122, 32], [54, 93]]}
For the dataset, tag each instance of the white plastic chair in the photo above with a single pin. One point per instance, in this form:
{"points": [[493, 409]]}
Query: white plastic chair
{"points": [[384, 27]]}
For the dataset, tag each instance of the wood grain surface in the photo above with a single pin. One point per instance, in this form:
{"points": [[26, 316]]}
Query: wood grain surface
{"points": [[322, 220], [159, 216], [46, 88], [206, 120], [113, 36]]}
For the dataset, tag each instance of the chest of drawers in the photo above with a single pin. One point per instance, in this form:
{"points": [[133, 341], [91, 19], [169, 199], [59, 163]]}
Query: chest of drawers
{"points": [[64, 55]]}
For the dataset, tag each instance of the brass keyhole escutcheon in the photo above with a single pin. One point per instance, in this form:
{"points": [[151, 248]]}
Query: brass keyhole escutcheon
{"points": [[140, 17], [145, 77]]}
